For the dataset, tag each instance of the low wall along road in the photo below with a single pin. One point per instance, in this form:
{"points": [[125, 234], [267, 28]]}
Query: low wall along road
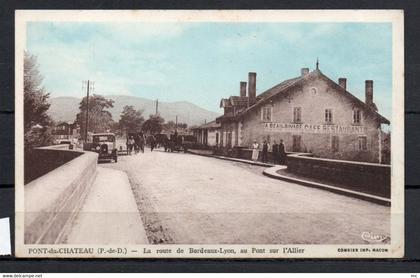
{"points": [[371, 178], [52, 200]]}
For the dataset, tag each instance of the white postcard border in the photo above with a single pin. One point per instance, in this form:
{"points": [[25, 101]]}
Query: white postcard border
{"points": [[396, 17]]}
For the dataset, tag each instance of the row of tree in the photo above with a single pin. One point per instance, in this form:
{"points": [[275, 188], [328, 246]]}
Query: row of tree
{"points": [[38, 124], [100, 119]]}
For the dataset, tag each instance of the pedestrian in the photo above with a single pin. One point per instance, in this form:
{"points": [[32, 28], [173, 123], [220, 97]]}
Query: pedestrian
{"points": [[137, 143], [265, 147], [130, 144], [276, 154], [255, 150], [143, 142], [282, 153], [152, 142]]}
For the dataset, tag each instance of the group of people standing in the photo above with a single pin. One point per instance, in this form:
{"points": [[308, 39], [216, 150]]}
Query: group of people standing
{"points": [[137, 143], [278, 150]]}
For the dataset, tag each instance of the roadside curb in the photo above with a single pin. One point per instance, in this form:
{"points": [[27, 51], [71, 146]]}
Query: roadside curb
{"points": [[272, 173], [256, 163]]}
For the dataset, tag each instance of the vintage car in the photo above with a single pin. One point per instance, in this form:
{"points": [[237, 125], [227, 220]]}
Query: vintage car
{"points": [[104, 145]]}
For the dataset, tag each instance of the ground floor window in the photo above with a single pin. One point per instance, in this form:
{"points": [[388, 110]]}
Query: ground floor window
{"points": [[335, 143], [362, 143]]}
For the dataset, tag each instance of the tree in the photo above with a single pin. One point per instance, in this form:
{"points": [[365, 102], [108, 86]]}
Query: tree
{"points": [[37, 123], [100, 120], [171, 126], [182, 125], [131, 119], [153, 124]]}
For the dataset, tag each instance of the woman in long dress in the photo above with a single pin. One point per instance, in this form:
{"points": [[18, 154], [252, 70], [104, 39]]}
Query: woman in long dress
{"points": [[255, 151]]}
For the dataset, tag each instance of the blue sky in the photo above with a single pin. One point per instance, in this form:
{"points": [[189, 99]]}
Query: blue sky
{"points": [[203, 62]]}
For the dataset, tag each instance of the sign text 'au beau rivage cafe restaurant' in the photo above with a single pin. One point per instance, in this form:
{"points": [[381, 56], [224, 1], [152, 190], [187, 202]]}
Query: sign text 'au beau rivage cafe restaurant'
{"points": [[313, 128]]}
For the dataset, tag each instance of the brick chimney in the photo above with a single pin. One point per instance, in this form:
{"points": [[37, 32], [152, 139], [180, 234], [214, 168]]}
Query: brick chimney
{"points": [[242, 89], [369, 94], [252, 88], [342, 82], [304, 71]]}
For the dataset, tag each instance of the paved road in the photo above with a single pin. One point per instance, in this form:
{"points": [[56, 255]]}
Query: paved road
{"points": [[109, 214], [190, 199]]}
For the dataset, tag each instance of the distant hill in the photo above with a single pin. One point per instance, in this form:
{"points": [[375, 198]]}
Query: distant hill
{"points": [[66, 108]]}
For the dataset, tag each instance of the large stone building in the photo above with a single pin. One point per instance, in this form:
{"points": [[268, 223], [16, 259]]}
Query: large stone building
{"points": [[310, 113]]}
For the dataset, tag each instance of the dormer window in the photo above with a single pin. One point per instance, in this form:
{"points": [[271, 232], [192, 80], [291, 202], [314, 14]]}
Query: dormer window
{"points": [[266, 113]]}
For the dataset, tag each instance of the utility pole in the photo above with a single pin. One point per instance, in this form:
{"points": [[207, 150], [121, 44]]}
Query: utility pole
{"points": [[88, 87], [176, 122], [157, 107]]}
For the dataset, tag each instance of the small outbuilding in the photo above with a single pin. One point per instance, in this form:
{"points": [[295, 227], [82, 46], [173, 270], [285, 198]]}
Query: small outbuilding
{"points": [[207, 134]]}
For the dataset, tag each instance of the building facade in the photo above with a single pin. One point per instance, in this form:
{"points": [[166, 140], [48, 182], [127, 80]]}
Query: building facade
{"points": [[310, 113], [66, 131], [207, 134]]}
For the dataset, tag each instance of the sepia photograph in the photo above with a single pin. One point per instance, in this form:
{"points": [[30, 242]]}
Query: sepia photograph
{"points": [[209, 134]]}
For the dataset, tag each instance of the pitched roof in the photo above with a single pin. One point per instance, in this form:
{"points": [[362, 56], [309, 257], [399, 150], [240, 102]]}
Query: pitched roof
{"points": [[287, 84], [279, 87], [208, 125], [234, 101]]}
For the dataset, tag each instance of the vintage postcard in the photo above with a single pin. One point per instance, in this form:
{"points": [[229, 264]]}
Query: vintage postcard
{"points": [[210, 134]]}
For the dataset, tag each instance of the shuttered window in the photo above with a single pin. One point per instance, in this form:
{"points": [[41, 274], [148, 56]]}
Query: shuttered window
{"points": [[297, 114], [362, 143], [357, 116], [328, 116], [266, 114]]}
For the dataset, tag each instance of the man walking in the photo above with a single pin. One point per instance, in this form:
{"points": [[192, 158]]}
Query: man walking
{"points": [[152, 142], [282, 153], [130, 144], [141, 142], [265, 147], [276, 154]]}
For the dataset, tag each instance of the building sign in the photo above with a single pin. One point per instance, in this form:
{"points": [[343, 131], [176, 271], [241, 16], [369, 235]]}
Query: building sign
{"points": [[313, 128]]}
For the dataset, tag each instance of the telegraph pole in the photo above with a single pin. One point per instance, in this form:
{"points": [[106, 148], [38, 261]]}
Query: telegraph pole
{"points": [[176, 122], [88, 87], [157, 107]]}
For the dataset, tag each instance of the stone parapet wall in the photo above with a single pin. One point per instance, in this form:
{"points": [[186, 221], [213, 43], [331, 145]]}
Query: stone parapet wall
{"points": [[45, 159], [53, 200], [371, 178]]}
